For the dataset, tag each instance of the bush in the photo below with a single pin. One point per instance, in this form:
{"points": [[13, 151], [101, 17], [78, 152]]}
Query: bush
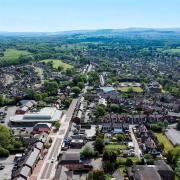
{"points": [[99, 144], [57, 124], [4, 152], [120, 137], [129, 162], [114, 108], [109, 156], [96, 175], [18, 145], [109, 166], [76, 90], [88, 152]]}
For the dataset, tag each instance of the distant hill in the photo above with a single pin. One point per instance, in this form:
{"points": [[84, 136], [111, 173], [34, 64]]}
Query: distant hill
{"points": [[135, 34], [98, 32]]}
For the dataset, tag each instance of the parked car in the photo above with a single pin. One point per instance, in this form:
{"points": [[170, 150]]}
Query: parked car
{"points": [[2, 166]]}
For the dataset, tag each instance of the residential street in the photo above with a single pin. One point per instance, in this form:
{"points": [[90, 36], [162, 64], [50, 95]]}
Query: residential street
{"points": [[136, 146]]}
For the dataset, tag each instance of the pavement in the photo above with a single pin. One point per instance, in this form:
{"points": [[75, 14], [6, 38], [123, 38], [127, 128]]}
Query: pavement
{"points": [[8, 163], [137, 150], [48, 169]]}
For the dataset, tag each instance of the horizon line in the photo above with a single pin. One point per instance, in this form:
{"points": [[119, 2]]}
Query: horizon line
{"points": [[59, 31]]}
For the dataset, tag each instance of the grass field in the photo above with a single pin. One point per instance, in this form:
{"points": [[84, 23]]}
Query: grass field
{"points": [[164, 140], [13, 54], [108, 177], [122, 160], [57, 63], [172, 51], [135, 89], [115, 147]]}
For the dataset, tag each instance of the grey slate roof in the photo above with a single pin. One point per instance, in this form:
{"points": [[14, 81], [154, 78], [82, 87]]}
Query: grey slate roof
{"points": [[142, 172], [25, 171], [33, 157]]}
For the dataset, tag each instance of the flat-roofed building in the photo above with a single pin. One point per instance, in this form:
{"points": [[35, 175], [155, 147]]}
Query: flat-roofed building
{"points": [[45, 115]]}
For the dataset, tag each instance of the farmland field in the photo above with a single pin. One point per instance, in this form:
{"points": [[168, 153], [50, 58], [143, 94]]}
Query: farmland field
{"points": [[13, 54], [172, 51], [58, 63]]}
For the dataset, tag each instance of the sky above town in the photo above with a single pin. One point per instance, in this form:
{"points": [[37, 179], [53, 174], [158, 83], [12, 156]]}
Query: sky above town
{"points": [[62, 15]]}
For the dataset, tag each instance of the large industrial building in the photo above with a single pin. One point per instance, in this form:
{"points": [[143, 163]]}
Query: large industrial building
{"points": [[45, 115]]}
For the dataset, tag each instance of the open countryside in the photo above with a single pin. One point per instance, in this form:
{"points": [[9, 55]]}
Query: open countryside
{"points": [[13, 54]]}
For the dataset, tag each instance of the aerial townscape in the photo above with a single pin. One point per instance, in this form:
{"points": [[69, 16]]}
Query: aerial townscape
{"points": [[90, 105], [89, 90]]}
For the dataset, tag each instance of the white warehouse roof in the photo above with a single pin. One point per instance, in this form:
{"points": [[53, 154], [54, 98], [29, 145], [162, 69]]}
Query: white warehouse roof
{"points": [[47, 114]]}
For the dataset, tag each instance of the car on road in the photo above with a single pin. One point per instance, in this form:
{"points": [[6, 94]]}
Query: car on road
{"points": [[52, 160], [2, 166]]}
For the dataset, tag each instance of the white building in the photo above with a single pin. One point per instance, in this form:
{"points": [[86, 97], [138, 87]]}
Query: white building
{"points": [[102, 101], [45, 115]]}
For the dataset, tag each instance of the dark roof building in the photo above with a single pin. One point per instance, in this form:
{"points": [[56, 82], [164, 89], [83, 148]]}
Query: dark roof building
{"points": [[70, 158], [25, 172], [164, 170], [142, 172], [32, 159], [159, 171]]}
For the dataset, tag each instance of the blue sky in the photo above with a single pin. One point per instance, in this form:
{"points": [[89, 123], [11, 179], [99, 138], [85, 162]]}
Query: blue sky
{"points": [[60, 15]]}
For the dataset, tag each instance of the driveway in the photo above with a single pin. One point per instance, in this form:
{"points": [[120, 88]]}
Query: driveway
{"points": [[10, 112]]}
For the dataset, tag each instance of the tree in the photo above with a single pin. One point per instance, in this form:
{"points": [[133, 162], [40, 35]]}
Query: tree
{"points": [[96, 175], [76, 90], [51, 87], [67, 102], [177, 169], [18, 144], [88, 152], [81, 85], [130, 90], [5, 136], [148, 158], [60, 68], [178, 125], [4, 152], [129, 162], [109, 156], [99, 144], [114, 108], [100, 111], [120, 137], [109, 166], [57, 124]]}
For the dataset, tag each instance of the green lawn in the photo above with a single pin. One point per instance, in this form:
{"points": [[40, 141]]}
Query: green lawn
{"points": [[164, 140], [122, 160], [172, 51], [13, 54], [115, 147], [135, 89], [57, 63], [108, 177]]}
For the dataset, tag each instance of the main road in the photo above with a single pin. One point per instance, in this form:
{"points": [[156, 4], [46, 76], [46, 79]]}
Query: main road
{"points": [[48, 169]]}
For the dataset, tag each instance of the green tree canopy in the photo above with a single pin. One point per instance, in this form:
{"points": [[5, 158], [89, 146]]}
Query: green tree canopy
{"points": [[5, 136], [76, 90]]}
